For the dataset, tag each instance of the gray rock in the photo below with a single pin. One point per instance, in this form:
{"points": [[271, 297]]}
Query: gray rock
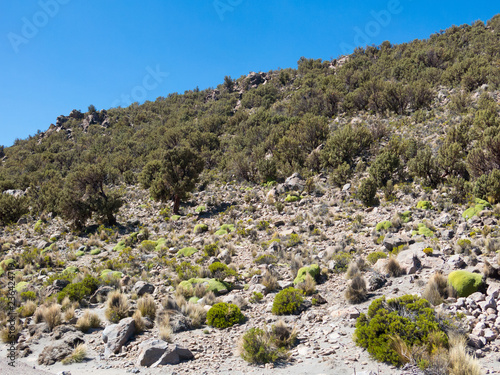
{"points": [[477, 342], [493, 290], [346, 187], [141, 288], [150, 351], [409, 260], [101, 291], [174, 355], [375, 281], [116, 335], [447, 234], [295, 182], [60, 284], [456, 261], [390, 241], [54, 353]]}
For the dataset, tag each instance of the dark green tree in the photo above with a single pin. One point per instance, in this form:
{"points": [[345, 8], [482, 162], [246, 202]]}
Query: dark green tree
{"points": [[85, 193], [177, 175]]}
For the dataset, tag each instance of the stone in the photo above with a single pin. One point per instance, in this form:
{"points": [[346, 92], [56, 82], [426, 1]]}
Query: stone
{"points": [[150, 351], [142, 287], [375, 281], [54, 353], [295, 182], [489, 335], [173, 355], [116, 335], [456, 262], [447, 234], [102, 291], [409, 261], [493, 291], [390, 241], [477, 342], [60, 284]]}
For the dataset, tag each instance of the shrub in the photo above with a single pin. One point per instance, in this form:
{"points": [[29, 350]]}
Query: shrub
{"points": [[187, 271], [461, 362], [270, 282], [312, 270], [28, 309], [409, 318], [256, 297], [366, 191], [12, 208], [223, 315], [212, 250], [29, 295], [287, 302], [356, 290], [341, 261], [75, 292], [117, 307], [423, 230], [384, 167], [262, 346], [464, 282], [383, 225], [266, 259], [220, 271], [292, 198], [376, 255]]}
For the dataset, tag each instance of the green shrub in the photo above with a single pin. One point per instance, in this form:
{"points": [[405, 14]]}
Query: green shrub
{"points": [[263, 346], [464, 282], [408, 318], [200, 228], [366, 191], [341, 261], [487, 187], [405, 216], [213, 285], [148, 245], [383, 225], [288, 301], [220, 271], [425, 205], [12, 208], [263, 225], [225, 229], [95, 252], [223, 315], [186, 271], [29, 295], [256, 297], [75, 292], [187, 252], [376, 255], [212, 250], [200, 209], [312, 270], [384, 167]]}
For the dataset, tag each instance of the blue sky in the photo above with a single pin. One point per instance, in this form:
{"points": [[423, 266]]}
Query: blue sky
{"points": [[57, 55]]}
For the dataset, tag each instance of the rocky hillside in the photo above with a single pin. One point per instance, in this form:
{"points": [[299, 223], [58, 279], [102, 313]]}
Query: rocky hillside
{"points": [[340, 217]]}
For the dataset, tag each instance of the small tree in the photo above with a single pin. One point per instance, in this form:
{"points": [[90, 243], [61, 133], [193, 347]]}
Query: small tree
{"points": [[174, 177], [84, 193]]}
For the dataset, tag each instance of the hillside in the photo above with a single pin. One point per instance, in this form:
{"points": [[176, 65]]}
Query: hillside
{"points": [[374, 175]]}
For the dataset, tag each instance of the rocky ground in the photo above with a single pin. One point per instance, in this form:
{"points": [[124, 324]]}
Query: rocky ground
{"points": [[325, 222]]}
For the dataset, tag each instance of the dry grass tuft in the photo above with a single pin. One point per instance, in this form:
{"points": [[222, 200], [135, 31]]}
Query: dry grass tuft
{"points": [[52, 316], [146, 305], [139, 322], [117, 306], [28, 309], [308, 286], [77, 356], [166, 332], [196, 313], [352, 271], [392, 268], [270, 282], [437, 289], [461, 362], [356, 290], [88, 320]]}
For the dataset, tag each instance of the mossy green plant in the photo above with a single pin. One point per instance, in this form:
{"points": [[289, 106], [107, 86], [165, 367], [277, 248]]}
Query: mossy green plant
{"points": [[80, 253], [383, 225], [425, 205], [312, 270], [175, 217], [213, 285], [120, 246], [20, 286], [200, 209], [464, 282], [187, 251], [95, 251], [423, 231], [292, 198], [405, 216], [148, 245], [200, 228], [225, 229]]}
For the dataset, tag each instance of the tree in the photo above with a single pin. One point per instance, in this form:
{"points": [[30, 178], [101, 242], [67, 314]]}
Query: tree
{"points": [[85, 193], [177, 175]]}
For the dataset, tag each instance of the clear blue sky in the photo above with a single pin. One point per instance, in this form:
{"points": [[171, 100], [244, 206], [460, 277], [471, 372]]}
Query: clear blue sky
{"points": [[57, 55]]}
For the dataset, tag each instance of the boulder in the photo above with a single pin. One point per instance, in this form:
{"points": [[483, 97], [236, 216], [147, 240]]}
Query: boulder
{"points": [[375, 280], [54, 353], [150, 351], [174, 355], [102, 291], [116, 335], [390, 241], [142, 288], [409, 261], [456, 261], [294, 182]]}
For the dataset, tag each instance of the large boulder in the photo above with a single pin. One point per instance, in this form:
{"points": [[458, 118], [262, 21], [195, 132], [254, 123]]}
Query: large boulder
{"points": [[390, 241], [142, 288], [409, 261], [116, 335], [153, 353], [54, 353], [294, 182]]}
